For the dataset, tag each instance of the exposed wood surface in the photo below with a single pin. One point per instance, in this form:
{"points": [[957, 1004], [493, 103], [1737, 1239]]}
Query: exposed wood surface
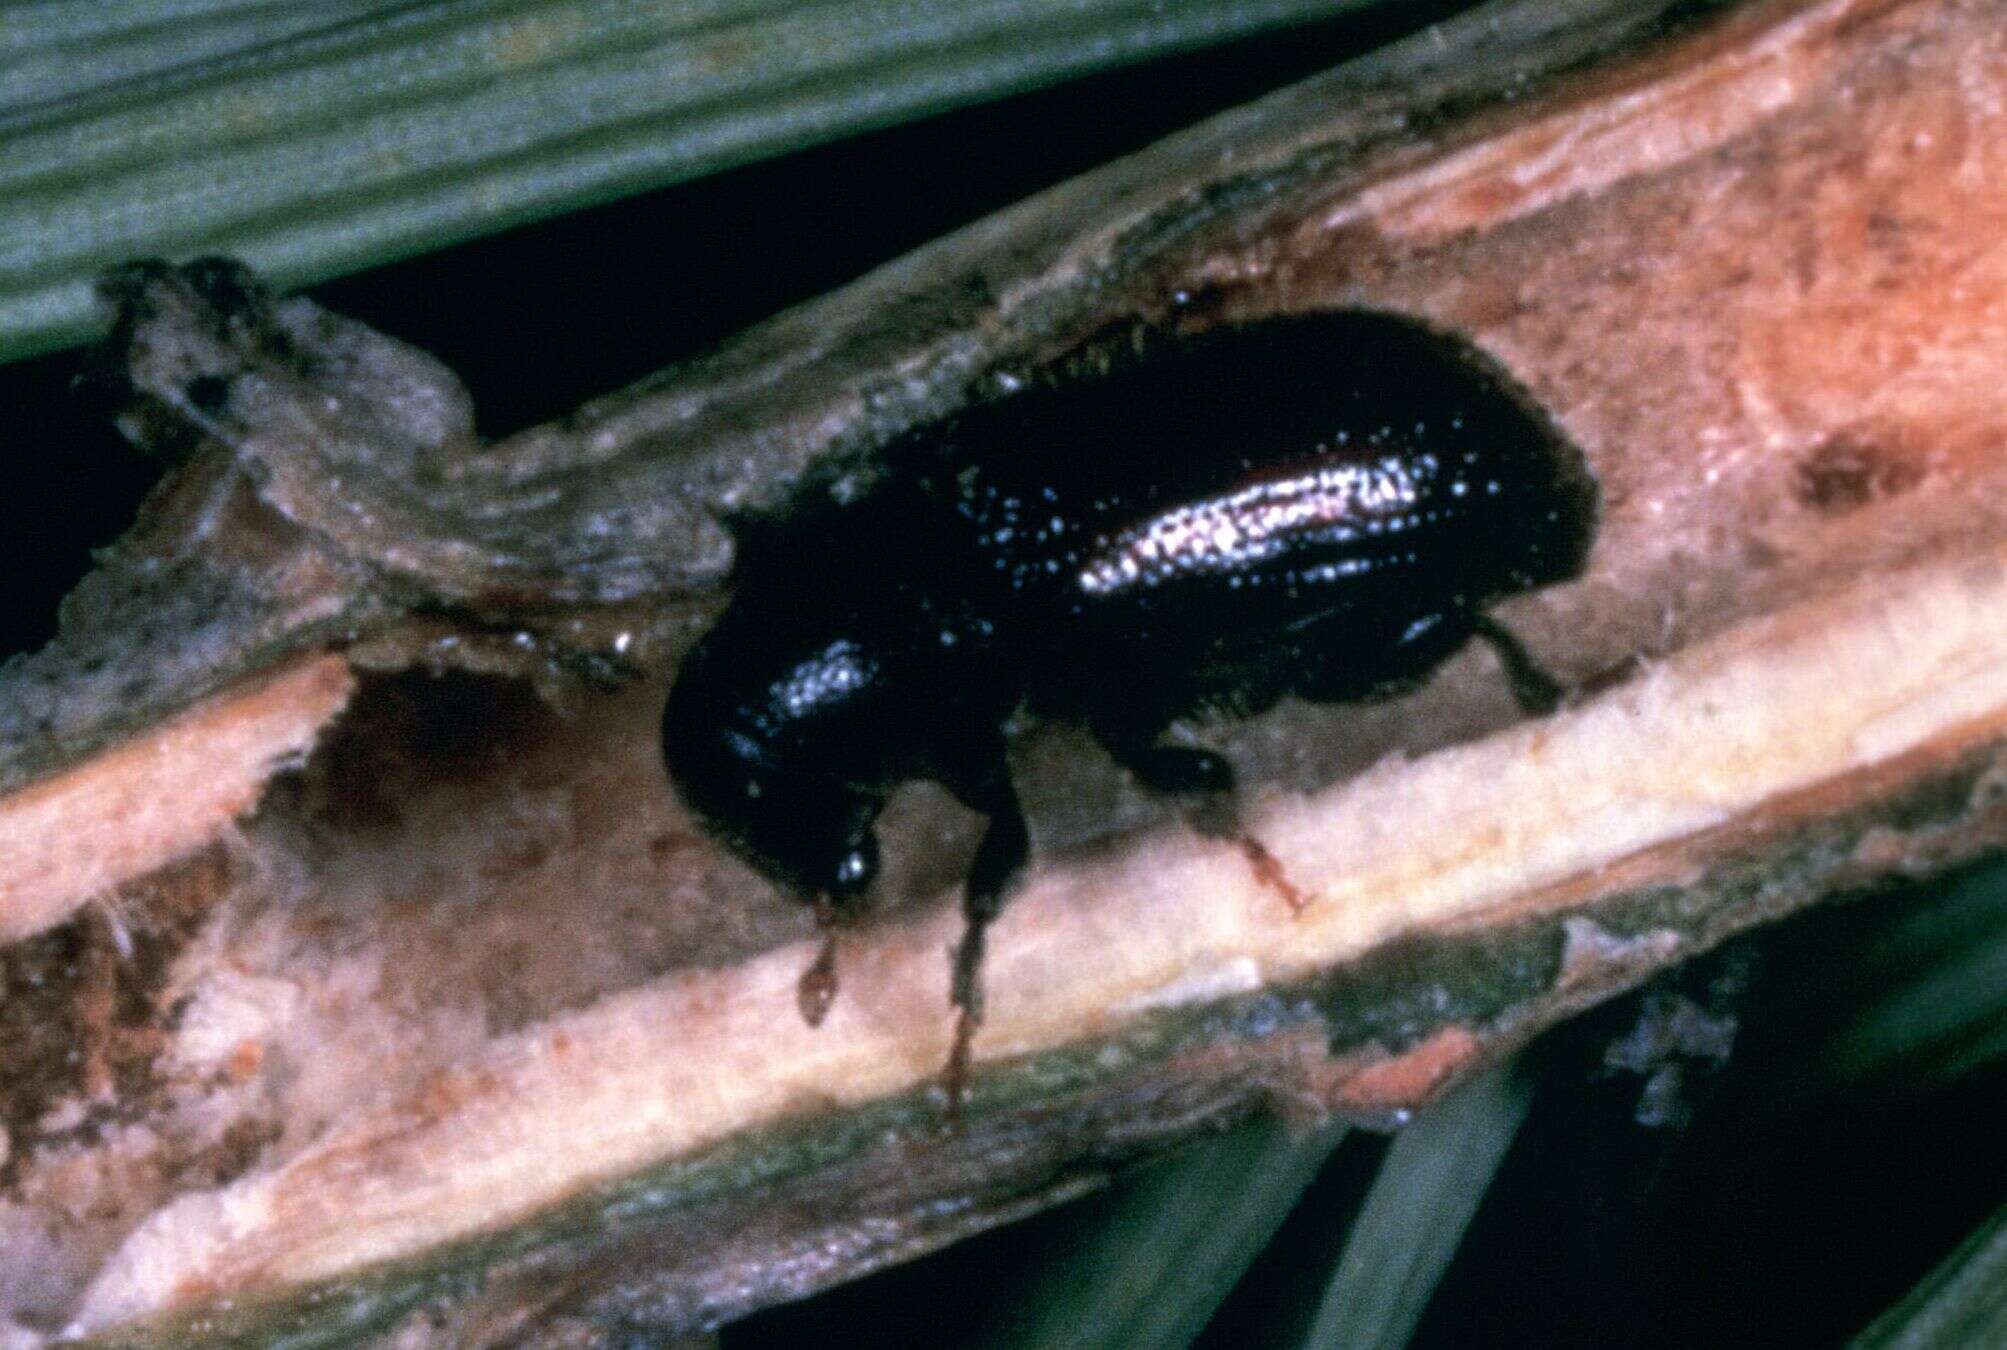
{"points": [[467, 1027], [159, 796]]}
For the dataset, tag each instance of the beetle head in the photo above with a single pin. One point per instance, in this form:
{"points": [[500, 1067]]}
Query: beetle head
{"points": [[759, 740]]}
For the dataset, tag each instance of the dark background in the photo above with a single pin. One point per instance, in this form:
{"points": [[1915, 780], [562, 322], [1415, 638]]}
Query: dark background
{"points": [[1786, 1214]]}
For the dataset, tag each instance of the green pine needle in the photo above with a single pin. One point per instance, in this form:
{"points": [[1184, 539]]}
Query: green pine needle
{"points": [[1926, 995], [1414, 1217], [316, 140], [1963, 1303], [1147, 1268]]}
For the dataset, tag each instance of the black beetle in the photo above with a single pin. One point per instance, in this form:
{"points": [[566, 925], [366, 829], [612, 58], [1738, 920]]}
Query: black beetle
{"points": [[1319, 505]]}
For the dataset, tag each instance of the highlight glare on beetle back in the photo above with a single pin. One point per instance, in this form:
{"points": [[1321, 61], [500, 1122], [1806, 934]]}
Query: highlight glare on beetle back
{"points": [[1331, 503]]}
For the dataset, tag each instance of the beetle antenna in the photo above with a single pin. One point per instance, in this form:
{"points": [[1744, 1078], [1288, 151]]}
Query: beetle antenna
{"points": [[817, 989]]}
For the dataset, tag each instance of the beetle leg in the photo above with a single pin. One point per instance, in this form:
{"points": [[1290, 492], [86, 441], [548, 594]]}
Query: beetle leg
{"points": [[1174, 770], [1538, 692], [1330, 650], [1005, 847], [1179, 770]]}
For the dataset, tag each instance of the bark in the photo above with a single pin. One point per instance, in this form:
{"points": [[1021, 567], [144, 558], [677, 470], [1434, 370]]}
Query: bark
{"points": [[464, 1032]]}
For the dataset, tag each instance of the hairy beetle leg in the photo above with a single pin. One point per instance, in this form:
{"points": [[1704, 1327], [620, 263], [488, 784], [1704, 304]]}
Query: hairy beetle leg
{"points": [[1268, 870], [1537, 692], [1001, 857], [1207, 776], [1219, 818]]}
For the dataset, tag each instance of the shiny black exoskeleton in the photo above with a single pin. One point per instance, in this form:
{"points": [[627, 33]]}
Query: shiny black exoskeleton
{"points": [[1320, 505]]}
